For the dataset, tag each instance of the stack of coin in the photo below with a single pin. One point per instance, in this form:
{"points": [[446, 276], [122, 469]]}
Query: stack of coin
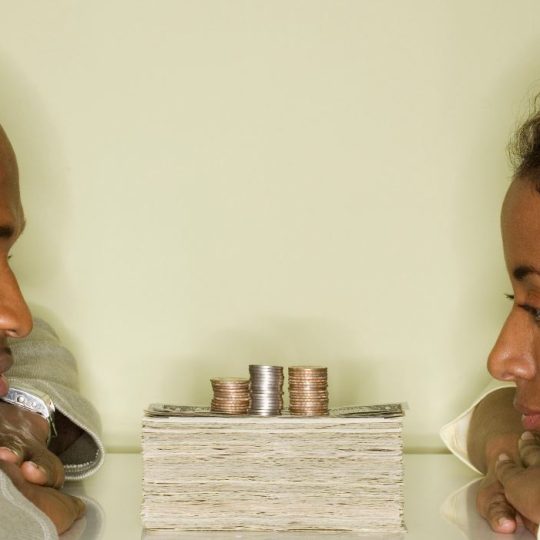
{"points": [[308, 390], [231, 395], [266, 390]]}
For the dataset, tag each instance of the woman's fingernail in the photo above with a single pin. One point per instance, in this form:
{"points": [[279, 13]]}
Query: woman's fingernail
{"points": [[527, 436], [35, 465], [503, 457], [504, 522]]}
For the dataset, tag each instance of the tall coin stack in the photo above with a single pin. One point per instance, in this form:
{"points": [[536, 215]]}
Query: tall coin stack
{"points": [[231, 395], [308, 390], [266, 390]]}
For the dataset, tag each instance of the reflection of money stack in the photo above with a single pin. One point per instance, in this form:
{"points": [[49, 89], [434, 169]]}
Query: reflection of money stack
{"points": [[231, 395], [340, 472], [266, 390], [308, 391]]}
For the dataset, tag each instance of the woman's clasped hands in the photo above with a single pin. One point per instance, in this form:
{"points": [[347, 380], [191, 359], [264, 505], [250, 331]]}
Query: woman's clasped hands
{"points": [[510, 492]]}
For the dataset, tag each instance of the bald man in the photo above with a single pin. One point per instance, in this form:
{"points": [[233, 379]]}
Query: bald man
{"points": [[37, 451]]}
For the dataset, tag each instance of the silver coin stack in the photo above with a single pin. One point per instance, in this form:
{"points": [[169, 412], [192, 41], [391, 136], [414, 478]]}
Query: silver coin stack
{"points": [[266, 390]]}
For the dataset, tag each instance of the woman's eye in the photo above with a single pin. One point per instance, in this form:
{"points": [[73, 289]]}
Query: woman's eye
{"points": [[509, 296]]}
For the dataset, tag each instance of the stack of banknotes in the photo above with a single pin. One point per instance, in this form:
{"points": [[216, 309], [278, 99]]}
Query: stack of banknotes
{"points": [[206, 471]]}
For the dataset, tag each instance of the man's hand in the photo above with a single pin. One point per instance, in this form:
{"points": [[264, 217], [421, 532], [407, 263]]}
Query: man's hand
{"points": [[35, 471], [23, 442], [62, 509], [521, 481]]}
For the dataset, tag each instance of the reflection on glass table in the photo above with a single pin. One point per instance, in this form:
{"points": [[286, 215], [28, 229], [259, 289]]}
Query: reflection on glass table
{"points": [[440, 494], [460, 509], [230, 535], [90, 526]]}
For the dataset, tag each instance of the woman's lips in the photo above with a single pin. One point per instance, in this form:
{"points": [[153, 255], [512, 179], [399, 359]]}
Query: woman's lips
{"points": [[530, 418], [531, 422]]}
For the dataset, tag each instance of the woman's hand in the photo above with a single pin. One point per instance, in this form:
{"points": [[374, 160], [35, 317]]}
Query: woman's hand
{"points": [[493, 506], [521, 481]]}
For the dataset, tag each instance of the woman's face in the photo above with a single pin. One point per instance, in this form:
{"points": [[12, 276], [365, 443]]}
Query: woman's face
{"points": [[516, 354]]}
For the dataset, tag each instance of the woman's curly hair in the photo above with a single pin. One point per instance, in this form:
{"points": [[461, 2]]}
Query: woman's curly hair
{"points": [[524, 147]]}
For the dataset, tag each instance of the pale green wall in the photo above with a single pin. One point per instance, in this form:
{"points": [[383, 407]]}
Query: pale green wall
{"points": [[209, 184]]}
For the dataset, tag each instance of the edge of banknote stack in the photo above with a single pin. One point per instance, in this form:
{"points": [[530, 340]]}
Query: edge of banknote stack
{"points": [[207, 471]]}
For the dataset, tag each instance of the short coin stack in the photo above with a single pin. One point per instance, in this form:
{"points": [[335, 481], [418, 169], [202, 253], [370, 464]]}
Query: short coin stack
{"points": [[231, 395], [308, 391], [266, 390]]}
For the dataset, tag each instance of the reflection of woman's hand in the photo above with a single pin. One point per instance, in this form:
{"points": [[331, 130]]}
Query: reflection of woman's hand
{"points": [[493, 505], [521, 481]]}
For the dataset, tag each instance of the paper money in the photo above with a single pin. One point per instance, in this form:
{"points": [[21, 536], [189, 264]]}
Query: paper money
{"points": [[208, 472], [163, 409], [385, 410]]}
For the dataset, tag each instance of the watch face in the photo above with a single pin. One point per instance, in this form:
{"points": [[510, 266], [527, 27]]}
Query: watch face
{"points": [[30, 401]]}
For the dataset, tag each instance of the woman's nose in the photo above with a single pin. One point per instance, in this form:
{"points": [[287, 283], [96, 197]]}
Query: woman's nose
{"points": [[15, 317], [513, 356]]}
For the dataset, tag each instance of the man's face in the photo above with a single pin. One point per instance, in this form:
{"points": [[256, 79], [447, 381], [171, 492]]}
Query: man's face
{"points": [[516, 354], [15, 319]]}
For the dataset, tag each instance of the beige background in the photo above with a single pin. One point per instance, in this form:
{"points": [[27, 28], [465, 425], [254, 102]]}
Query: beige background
{"points": [[210, 184]]}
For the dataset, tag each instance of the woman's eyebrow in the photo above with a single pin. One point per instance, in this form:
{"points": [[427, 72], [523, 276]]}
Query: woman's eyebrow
{"points": [[6, 231], [522, 272]]}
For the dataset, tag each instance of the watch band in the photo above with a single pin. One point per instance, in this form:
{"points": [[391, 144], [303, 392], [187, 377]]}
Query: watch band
{"points": [[36, 402]]}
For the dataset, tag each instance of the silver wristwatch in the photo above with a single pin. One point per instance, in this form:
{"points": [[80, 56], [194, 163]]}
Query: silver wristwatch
{"points": [[33, 401]]}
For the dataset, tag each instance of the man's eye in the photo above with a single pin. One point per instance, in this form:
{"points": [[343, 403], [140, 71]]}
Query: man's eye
{"points": [[509, 296]]}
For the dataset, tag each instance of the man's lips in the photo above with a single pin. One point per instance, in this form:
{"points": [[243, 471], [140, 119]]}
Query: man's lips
{"points": [[6, 358], [6, 361], [4, 386]]}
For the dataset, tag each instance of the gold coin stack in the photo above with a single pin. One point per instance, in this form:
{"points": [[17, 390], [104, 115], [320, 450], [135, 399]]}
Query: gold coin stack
{"points": [[308, 390], [231, 395]]}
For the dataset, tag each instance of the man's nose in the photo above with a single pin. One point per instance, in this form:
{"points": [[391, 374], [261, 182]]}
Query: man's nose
{"points": [[513, 356], [15, 317]]}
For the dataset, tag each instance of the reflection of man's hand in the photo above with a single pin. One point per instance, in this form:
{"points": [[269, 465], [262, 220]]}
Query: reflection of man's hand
{"points": [[521, 481], [62, 509], [33, 469]]}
